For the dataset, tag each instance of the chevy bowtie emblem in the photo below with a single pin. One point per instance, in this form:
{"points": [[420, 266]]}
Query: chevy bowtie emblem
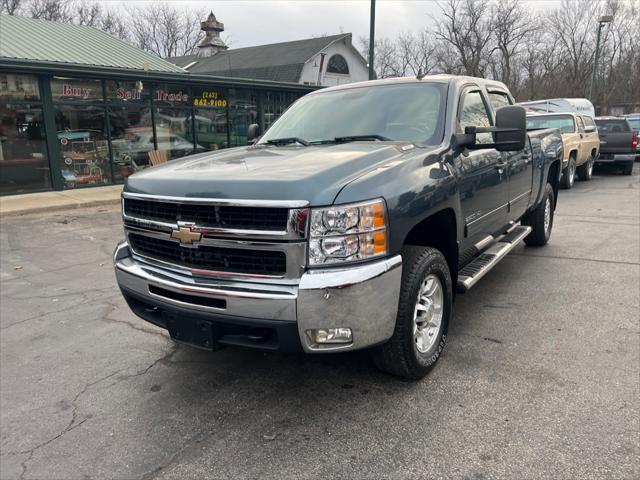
{"points": [[186, 235]]}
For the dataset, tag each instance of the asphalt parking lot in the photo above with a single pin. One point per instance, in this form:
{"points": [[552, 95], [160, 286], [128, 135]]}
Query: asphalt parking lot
{"points": [[540, 377]]}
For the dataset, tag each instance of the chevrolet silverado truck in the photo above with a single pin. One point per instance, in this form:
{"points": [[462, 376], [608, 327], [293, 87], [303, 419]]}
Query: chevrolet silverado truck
{"points": [[580, 140], [618, 143], [350, 224]]}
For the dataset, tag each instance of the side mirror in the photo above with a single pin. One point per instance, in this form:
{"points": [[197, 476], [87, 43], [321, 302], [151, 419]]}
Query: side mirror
{"points": [[511, 128], [253, 133], [509, 134], [589, 128]]}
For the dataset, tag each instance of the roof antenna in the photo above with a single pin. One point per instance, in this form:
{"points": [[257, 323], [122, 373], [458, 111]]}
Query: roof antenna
{"points": [[420, 75]]}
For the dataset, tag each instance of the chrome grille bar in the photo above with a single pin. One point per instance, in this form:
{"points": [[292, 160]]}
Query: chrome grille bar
{"points": [[290, 239]]}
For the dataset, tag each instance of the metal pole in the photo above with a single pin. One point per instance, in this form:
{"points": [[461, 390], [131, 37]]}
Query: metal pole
{"points": [[372, 33], [595, 65]]}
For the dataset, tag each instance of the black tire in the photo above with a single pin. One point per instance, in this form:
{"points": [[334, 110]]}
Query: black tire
{"points": [[627, 169], [540, 234], [568, 175], [585, 171], [400, 356]]}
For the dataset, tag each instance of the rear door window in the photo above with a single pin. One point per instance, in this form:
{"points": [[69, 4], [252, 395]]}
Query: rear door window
{"points": [[588, 121], [499, 99]]}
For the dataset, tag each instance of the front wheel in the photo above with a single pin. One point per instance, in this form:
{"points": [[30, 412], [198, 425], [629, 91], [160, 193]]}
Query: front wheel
{"points": [[568, 175], [423, 316], [540, 220]]}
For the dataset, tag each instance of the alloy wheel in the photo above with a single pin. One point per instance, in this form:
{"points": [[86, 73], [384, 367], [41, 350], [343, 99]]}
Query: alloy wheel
{"points": [[428, 313]]}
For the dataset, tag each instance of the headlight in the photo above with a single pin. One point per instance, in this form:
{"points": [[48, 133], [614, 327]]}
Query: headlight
{"points": [[348, 233]]}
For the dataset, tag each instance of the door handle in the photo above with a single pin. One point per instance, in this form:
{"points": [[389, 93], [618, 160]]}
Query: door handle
{"points": [[527, 158]]}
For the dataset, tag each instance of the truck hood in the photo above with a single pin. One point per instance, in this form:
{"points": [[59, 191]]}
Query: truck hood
{"points": [[314, 173]]}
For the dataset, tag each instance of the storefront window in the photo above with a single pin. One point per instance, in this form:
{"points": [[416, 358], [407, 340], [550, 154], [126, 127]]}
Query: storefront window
{"points": [[176, 95], [131, 138], [24, 164], [275, 103], [243, 111], [83, 146], [174, 132], [211, 117], [127, 92], [76, 90], [15, 88], [211, 128]]}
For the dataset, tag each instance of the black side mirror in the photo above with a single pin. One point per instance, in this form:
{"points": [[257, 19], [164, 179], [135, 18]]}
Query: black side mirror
{"points": [[509, 134], [253, 133], [511, 128]]}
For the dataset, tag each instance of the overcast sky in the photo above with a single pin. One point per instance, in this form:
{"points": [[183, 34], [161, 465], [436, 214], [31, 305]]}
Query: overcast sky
{"points": [[256, 22]]}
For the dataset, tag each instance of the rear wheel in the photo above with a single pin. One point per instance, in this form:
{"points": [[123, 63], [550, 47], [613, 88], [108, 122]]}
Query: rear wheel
{"points": [[627, 169], [423, 316], [585, 171], [568, 174], [540, 220]]}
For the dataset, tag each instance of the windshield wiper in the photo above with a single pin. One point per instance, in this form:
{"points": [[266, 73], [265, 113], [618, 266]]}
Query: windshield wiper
{"points": [[355, 138], [287, 140]]}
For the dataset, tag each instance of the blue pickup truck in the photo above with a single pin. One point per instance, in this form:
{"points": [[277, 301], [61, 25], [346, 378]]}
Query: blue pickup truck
{"points": [[352, 223]]}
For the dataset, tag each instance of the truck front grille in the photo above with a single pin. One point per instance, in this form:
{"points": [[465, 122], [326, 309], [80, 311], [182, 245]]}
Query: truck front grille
{"points": [[218, 259], [249, 218]]}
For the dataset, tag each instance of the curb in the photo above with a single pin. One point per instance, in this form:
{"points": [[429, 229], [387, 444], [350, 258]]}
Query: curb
{"points": [[57, 208]]}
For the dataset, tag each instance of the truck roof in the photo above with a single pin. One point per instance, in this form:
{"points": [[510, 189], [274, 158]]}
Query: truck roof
{"points": [[439, 78]]}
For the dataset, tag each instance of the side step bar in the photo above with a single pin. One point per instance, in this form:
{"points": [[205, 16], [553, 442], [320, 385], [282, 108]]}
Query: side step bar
{"points": [[478, 268]]}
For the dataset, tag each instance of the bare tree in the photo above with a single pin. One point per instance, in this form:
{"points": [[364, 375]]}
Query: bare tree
{"points": [[54, 10], [11, 7], [87, 13], [385, 61], [114, 25], [166, 31], [512, 26], [466, 26], [415, 53], [574, 26]]}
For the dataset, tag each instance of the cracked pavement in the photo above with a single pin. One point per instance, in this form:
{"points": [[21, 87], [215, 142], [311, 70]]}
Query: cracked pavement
{"points": [[540, 377]]}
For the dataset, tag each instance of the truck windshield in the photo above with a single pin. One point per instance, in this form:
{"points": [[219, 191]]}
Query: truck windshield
{"points": [[612, 126], [405, 112], [564, 123]]}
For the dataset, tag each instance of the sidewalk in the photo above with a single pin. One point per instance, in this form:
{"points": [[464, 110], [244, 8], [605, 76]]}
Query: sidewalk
{"points": [[64, 200]]}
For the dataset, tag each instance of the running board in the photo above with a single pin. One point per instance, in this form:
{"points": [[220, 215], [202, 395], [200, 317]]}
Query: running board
{"points": [[478, 268]]}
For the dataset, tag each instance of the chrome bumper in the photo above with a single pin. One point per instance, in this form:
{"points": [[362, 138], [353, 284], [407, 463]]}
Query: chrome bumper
{"points": [[362, 297]]}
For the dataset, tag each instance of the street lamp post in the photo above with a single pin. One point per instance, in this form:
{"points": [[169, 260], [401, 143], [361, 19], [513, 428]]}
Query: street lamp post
{"points": [[601, 23], [372, 31]]}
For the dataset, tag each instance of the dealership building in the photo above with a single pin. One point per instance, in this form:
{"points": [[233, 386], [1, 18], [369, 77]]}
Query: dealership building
{"points": [[80, 108]]}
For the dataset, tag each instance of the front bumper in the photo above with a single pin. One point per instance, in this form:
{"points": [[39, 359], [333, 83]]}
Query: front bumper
{"points": [[269, 316]]}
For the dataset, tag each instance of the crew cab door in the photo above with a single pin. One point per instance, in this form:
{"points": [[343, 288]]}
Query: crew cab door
{"points": [[483, 176], [519, 166]]}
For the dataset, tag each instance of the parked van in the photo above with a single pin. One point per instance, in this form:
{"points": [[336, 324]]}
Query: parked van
{"points": [[561, 105]]}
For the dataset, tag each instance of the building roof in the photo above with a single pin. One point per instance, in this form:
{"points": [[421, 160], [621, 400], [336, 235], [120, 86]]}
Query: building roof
{"points": [[277, 61], [36, 40]]}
